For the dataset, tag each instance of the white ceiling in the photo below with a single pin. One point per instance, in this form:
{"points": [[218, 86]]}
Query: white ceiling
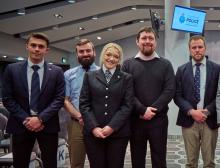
{"points": [[64, 32]]}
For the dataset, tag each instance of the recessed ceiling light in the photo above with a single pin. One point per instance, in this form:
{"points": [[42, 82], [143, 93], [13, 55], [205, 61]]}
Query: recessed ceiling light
{"points": [[99, 38], [94, 17], [56, 27], [21, 11], [133, 8], [219, 25], [109, 29], [57, 15], [4, 56], [77, 38], [141, 21], [71, 1], [211, 8], [81, 28], [50, 63], [20, 58], [206, 21]]}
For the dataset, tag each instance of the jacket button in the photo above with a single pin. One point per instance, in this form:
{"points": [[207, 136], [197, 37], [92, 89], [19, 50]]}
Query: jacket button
{"points": [[106, 88], [106, 97], [106, 113], [106, 105]]}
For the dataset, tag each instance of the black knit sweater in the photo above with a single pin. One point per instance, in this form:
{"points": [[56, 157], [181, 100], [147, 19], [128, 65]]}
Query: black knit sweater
{"points": [[154, 83]]}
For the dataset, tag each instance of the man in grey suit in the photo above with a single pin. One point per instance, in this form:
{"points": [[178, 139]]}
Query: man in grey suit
{"points": [[196, 87], [33, 93]]}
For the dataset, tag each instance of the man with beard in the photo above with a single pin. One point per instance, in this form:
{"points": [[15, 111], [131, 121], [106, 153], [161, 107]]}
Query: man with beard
{"points": [[74, 78], [196, 87], [154, 87]]}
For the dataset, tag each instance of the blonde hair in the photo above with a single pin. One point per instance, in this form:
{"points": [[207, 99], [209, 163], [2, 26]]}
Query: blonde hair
{"points": [[111, 45]]}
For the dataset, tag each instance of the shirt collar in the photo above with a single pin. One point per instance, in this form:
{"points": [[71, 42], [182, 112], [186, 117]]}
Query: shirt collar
{"points": [[203, 62], [92, 66], [41, 64], [111, 70], [146, 58]]}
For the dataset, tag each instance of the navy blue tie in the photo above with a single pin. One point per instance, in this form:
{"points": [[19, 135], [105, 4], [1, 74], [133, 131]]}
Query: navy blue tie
{"points": [[35, 89], [197, 82]]}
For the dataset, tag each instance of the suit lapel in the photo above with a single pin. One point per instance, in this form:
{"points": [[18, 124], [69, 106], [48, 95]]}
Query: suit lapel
{"points": [[23, 76], [46, 77], [101, 76], [189, 71], [116, 76], [209, 70]]}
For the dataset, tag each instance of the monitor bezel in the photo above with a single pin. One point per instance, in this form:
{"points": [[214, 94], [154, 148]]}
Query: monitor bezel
{"points": [[188, 31]]}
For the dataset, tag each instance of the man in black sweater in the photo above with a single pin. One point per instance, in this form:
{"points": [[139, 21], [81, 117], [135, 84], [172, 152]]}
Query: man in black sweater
{"points": [[154, 87]]}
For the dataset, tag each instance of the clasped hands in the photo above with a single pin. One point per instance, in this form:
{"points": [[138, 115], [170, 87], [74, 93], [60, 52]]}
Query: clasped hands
{"points": [[199, 115], [33, 124], [102, 132], [149, 113]]}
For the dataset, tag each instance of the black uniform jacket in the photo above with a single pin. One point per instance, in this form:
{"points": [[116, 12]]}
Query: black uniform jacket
{"points": [[109, 104]]}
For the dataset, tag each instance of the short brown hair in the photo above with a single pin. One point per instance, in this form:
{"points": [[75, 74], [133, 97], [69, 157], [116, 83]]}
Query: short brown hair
{"points": [[197, 37], [147, 30], [39, 35], [83, 42]]}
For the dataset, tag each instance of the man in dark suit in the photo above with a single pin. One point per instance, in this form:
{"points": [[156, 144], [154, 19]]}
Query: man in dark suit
{"points": [[196, 83], [33, 93]]}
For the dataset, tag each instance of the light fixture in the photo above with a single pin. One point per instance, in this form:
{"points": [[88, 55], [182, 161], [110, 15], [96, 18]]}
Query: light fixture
{"points": [[77, 38], [56, 27], [141, 21], [219, 25], [71, 1], [21, 11], [81, 28], [4, 56], [20, 58], [57, 15], [109, 29], [211, 8], [99, 38], [94, 17], [133, 8]]}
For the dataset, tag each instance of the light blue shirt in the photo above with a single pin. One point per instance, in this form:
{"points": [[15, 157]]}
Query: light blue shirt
{"points": [[74, 80], [202, 81]]}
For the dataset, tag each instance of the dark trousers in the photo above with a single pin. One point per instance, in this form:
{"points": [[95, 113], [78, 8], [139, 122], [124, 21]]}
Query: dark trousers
{"points": [[22, 146], [106, 153], [157, 138]]}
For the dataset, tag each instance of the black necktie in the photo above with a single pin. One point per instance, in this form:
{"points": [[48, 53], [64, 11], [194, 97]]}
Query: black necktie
{"points": [[197, 82], [35, 89], [108, 75]]}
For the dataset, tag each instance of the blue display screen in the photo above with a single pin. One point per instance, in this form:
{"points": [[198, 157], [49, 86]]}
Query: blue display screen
{"points": [[188, 19]]}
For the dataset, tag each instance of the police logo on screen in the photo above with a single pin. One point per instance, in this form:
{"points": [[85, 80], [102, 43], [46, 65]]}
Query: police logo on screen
{"points": [[182, 18], [189, 20]]}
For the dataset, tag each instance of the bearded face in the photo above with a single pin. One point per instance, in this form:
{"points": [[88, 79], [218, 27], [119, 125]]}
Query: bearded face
{"points": [[85, 55], [86, 61], [146, 43]]}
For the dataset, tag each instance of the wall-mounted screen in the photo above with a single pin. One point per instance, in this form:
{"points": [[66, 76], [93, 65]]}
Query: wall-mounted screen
{"points": [[188, 19]]}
